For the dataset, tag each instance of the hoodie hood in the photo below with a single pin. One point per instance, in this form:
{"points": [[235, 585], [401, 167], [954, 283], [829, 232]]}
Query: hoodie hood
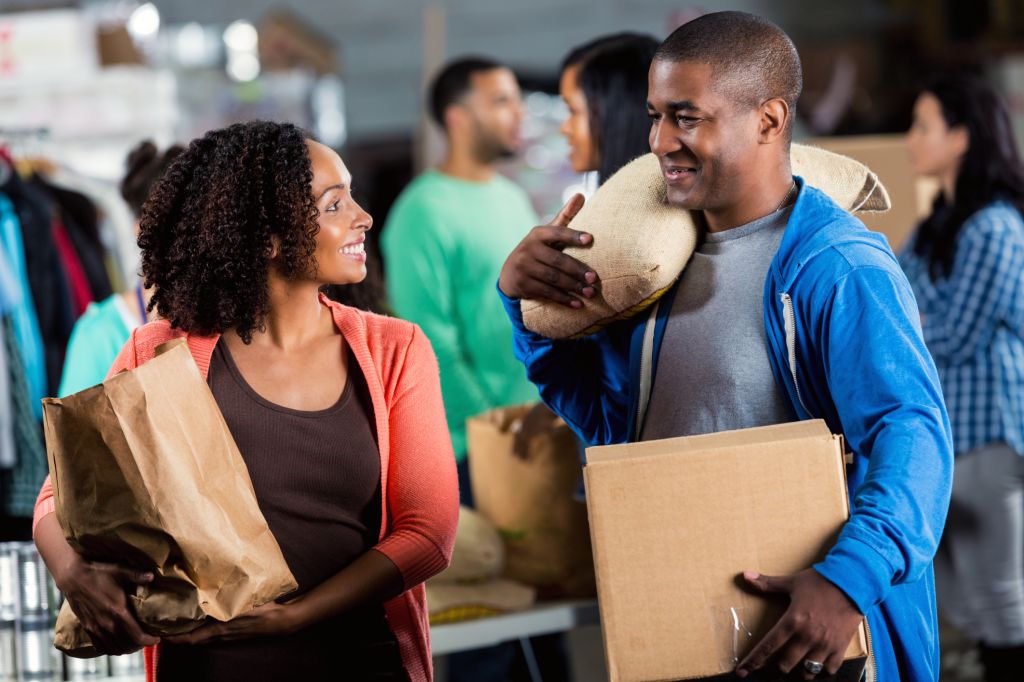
{"points": [[816, 225]]}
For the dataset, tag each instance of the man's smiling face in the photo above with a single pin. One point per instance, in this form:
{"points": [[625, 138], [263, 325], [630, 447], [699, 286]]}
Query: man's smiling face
{"points": [[702, 138]]}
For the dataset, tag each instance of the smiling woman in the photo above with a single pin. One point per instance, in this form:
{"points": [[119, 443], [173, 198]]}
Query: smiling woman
{"points": [[336, 413]]}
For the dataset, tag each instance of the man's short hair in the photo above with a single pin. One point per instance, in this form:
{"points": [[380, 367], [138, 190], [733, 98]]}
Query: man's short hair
{"points": [[452, 83], [752, 59]]}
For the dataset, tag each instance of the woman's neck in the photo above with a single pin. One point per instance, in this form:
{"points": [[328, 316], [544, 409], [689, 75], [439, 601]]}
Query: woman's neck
{"points": [[949, 187], [296, 316]]}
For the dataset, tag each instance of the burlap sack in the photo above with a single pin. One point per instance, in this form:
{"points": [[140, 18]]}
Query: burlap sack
{"points": [[470, 588], [478, 554], [146, 474], [532, 503], [641, 244]]}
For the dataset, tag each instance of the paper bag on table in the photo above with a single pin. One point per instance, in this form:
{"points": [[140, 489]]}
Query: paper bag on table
{"points": [[146, 474], [532, 502]]}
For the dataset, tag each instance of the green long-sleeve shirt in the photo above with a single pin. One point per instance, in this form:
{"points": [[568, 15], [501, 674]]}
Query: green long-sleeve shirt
{"points": [[444, 243]]}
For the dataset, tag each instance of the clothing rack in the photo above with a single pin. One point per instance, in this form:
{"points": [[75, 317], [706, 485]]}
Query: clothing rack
{"points": [[54, 265]]}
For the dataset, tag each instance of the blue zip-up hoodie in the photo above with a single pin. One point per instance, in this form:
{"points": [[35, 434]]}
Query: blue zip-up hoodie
{"points": [[844, 343]]}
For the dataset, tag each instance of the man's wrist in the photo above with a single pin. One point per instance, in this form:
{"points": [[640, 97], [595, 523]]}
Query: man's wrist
{"points": [[505, 291]]}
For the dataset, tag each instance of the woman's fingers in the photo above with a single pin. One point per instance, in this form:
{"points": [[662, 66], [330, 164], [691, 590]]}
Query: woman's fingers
{"points": [[126, 576], [97, 594]]}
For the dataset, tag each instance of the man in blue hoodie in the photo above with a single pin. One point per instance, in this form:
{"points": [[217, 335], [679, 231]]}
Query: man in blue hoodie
{"points": [[789, 309]]}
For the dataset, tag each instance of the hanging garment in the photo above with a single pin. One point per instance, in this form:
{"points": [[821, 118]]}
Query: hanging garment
{"points": [[23, 313], [81, 222], [116, 227], [78, 283], [8, 453], [46, 279], [10, 289], [20, 485], [10, 296]]}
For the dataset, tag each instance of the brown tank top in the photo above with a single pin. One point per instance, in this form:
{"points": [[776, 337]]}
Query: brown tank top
{"points": [[317, 480]]}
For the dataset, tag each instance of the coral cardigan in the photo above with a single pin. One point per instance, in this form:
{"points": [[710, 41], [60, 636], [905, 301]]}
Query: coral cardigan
{"points": [[419, 487]]}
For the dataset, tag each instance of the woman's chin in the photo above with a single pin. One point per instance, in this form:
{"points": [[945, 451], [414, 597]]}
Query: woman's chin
{"points": [[349, 276], [579, 166]]}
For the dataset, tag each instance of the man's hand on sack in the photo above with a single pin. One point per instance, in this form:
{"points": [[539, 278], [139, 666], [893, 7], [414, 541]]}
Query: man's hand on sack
{"points": [[97, 593], [537, 421], [818, 625], [270, 619], [537, 268]]}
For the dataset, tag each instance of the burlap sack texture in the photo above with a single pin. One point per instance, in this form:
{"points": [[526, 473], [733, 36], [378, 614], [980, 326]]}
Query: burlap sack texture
{"points": [[471, 586], [641, 244]]}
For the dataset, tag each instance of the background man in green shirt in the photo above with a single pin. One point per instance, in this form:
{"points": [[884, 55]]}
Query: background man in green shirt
{"points": [[444, 243], [447, 237]]}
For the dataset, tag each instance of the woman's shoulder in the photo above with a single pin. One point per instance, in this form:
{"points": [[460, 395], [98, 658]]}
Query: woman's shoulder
{"points": [[998, 219], [145, 340], [381, 332], [156, 332]]}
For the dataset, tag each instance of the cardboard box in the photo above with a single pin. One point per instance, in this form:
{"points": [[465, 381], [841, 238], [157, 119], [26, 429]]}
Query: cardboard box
{"points": [[675, 522]]}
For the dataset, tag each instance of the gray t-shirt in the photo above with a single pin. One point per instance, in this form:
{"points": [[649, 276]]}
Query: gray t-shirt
{"points": [[713, 372]]}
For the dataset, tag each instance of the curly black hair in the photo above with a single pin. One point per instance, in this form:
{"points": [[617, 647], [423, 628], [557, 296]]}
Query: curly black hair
{"points": [[206, 229]]}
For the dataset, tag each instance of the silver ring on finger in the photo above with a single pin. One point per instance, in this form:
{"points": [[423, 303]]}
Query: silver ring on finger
{"points": [[813, 667]]}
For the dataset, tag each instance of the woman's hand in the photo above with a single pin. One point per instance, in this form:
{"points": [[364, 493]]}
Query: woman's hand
{"points": [[263, 621], [97, 593]]}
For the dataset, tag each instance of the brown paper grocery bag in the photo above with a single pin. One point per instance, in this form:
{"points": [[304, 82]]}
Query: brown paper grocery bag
{"points": [[532, 503], [145, 473]]}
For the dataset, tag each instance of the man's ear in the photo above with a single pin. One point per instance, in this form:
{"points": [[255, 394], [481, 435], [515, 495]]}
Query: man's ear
{"points": [[774, 120], [275, 247], [454, 117]]}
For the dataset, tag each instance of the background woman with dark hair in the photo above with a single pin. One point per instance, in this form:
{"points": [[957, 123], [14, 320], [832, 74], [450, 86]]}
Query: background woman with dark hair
{"points": [[104, 327], [337, 414], [966, 264], [604, 85]]}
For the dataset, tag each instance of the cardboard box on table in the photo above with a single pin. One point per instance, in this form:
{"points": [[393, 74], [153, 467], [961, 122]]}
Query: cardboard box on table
{"points": [[675, 522]]}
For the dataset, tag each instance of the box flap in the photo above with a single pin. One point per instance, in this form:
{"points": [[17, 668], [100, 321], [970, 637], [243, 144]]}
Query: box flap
{"points": [[712, 441]]}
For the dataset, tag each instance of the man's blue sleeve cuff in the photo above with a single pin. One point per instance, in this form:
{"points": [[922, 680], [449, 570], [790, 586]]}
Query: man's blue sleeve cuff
{"points": [[512, 308], [859, 571]]}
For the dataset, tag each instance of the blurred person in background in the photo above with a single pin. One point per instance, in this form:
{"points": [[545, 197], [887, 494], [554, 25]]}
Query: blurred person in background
{"points": [[603, 83], [335, 411], [100, 333], [604, 86], [444, 244], [446, 238], [966, 265]]}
